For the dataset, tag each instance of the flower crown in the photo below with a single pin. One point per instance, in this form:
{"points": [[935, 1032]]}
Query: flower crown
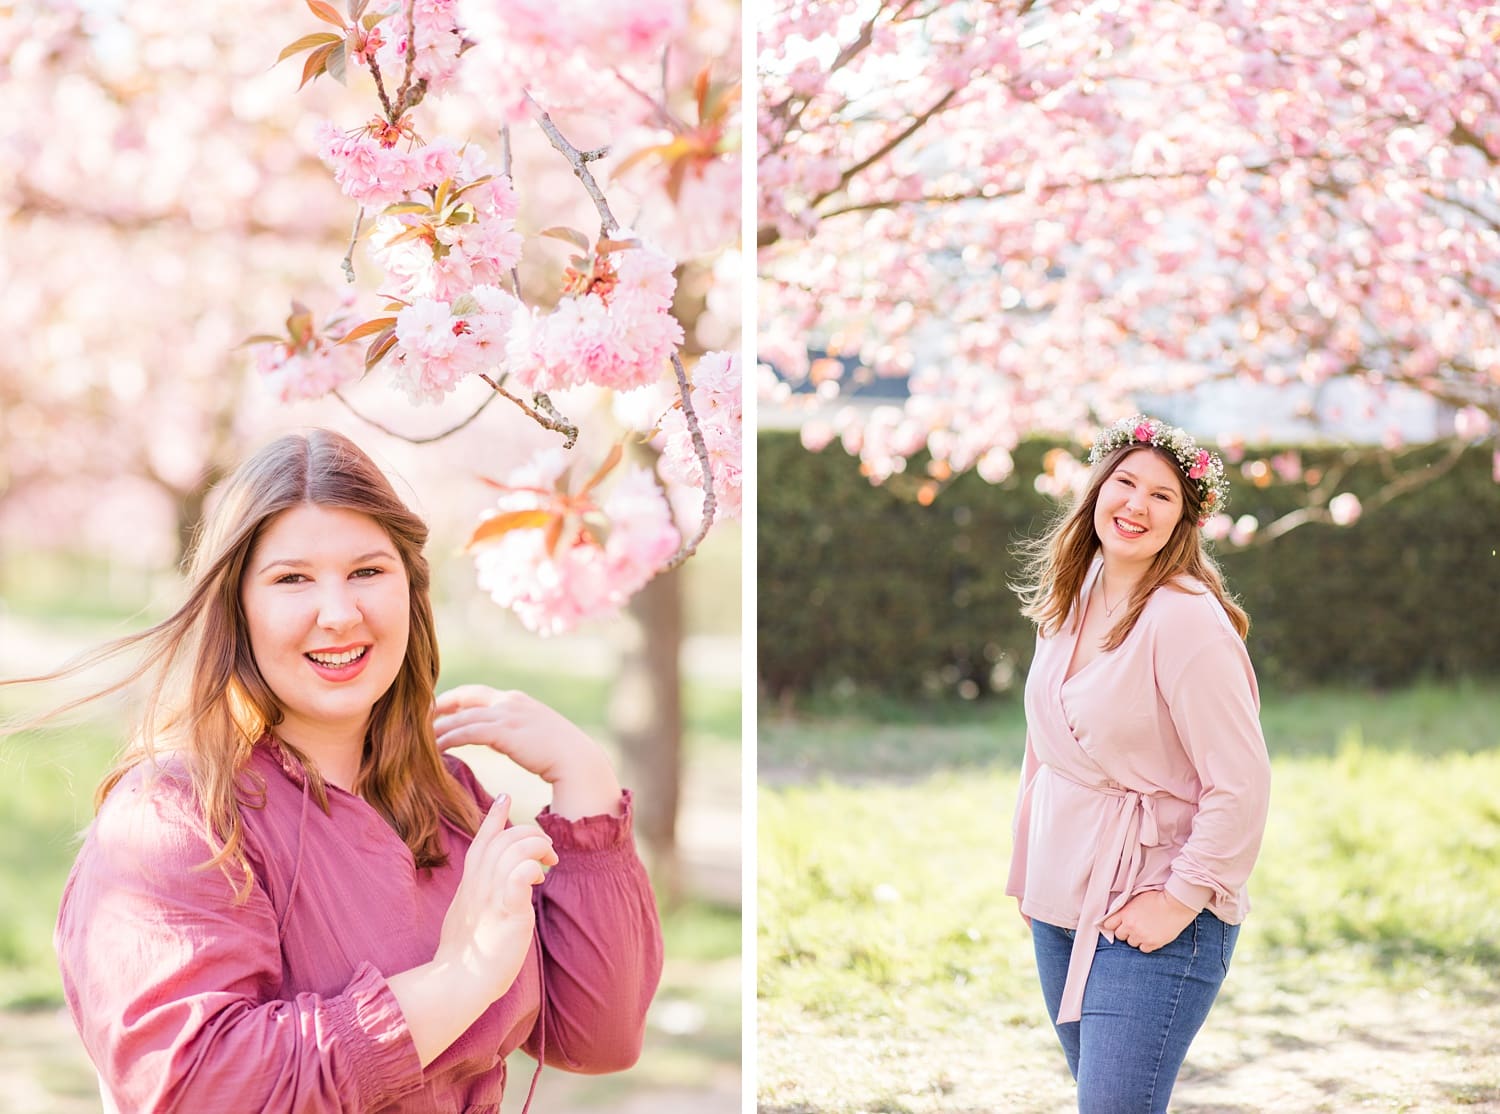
{"points": [[1197, 464]]}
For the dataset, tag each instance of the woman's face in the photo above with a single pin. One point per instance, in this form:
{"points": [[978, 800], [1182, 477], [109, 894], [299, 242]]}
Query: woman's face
{"points": [[1139, 506], [328, 608]]}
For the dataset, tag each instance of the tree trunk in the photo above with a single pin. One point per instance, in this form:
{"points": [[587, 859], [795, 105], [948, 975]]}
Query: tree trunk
{"points": [[645, 719]]}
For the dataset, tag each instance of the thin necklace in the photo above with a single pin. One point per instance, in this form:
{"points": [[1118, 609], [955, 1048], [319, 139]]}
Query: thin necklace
{"points": [[1109, 612]]}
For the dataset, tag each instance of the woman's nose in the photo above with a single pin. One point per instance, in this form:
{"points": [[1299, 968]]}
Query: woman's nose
{"points": [[337, 608]]}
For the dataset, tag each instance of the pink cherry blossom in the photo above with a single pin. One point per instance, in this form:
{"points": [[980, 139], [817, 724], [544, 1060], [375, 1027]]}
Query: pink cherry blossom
{"points": [[1345, 509], [617, 334], [716, 399], [582, 578]]}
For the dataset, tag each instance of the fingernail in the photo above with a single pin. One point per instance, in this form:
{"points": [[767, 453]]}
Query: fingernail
{"points": [[502, 799]]}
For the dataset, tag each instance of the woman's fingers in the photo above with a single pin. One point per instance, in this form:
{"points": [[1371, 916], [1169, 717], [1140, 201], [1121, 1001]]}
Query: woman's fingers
{"points": [[466, 696]]}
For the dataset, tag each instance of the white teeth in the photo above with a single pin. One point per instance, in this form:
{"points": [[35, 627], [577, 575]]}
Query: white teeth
{"points": [[1129, 527], [339, 659]]}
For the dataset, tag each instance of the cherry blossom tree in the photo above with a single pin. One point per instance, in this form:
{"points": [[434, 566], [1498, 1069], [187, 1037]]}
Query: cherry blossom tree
{"points": [[443, 228], [1046, 213]]}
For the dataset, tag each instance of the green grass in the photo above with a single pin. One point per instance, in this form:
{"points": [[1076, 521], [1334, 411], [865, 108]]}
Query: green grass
{"points": [[883, 850]]}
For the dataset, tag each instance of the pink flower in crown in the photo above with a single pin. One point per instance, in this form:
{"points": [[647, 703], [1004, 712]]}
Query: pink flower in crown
{"points": [[1143, 431], [1200, 466]]}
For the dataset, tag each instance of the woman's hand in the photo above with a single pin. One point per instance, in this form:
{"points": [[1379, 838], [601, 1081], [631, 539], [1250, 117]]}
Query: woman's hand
{"points": [[1149, 920], [487, 929], [486, 934], [534, 737]]}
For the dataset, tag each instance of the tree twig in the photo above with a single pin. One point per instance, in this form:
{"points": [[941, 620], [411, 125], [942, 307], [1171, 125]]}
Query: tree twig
{"points": [[700, 446], [348, 261], [427, 440], [551, 420]]}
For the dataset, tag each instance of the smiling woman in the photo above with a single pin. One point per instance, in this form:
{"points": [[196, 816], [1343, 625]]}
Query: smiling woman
{"points": [[1145, 784], [290, 894]]}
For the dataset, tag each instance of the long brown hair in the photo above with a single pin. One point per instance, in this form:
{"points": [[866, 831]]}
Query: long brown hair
{"points": [[207, 700], [1058, 562]]}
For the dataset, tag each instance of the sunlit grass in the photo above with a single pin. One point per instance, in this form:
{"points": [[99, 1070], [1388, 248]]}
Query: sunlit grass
{"points": [[881, 904]]}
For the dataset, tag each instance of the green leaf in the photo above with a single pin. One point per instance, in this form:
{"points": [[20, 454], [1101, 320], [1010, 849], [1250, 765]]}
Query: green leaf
{"points": [[607, 245], [398, 208], [307, 42], [338, 62]]}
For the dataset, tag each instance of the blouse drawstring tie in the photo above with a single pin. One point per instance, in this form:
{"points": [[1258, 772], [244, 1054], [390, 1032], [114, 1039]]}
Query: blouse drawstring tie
{"points": [[1133, 828]]}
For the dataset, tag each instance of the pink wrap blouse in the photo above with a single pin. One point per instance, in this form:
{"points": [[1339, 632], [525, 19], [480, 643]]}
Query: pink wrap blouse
{"points": [[1145, 770], [189, 1001]]}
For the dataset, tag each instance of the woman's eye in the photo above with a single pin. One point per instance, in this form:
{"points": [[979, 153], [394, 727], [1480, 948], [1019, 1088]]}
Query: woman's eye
{"points": [[290, 578], [366, 573]]}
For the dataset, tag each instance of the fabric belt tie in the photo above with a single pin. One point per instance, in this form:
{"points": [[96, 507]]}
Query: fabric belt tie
{"points": [[1133, 828]]}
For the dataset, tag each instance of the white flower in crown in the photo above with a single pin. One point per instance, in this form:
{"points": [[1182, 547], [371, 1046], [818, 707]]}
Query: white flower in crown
{"points": [[1199, 465]]}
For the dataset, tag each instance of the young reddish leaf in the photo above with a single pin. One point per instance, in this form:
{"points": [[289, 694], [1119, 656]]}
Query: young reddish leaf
{"points": [[377, 350], [570, 235], [307, 42], [476, 182], [553, 536], [700, 92], [675, 177], [317, 61], [615, 453], [327, 13], [369, 328], [413, 232], [665, 150], [607, 245], [261, 338], [440, 199], [356, 8], [373, 20], [338, 62], [497, 526]]}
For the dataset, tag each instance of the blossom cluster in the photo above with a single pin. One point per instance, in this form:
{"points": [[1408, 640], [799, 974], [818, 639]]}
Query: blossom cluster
{"points": [[716, 400], [616, 331], [310, 371], [438, 343], [442, 250], [583, 575]]}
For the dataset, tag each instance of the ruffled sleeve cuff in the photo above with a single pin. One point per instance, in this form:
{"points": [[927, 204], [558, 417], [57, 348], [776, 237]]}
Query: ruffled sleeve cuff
{"points": [[369, 1021], [591, 837]]}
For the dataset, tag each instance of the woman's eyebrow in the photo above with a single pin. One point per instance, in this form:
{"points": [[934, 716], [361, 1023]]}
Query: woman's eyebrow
{"points": [[301, 563]]}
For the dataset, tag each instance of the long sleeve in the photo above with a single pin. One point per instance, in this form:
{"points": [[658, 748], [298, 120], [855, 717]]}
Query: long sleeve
{"points": [[174, 986], [1215, 709], [601, 945], [600, 939]]}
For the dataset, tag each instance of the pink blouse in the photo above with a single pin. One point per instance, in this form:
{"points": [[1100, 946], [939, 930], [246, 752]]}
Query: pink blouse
{"points": [[188, 1001], [1145, 770]]}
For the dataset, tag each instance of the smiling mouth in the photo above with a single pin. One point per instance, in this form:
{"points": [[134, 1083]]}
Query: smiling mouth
{"points": [[1129, 527], [335, 661]]}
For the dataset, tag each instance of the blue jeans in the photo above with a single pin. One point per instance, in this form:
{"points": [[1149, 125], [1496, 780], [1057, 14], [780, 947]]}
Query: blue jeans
{"points": [[1140, 1011]]}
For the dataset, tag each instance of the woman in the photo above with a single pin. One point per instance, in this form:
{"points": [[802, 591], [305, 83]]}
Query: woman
{"points": [[290, 900], [1145, 783]]}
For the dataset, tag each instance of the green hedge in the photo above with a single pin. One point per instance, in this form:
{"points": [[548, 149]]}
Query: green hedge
{"points": [[860, 585]]}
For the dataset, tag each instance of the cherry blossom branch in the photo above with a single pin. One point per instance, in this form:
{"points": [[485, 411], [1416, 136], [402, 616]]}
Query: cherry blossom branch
{"points": [[427, 440], [550, 420], [579, 161], [348, 261], [700, 446]]}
